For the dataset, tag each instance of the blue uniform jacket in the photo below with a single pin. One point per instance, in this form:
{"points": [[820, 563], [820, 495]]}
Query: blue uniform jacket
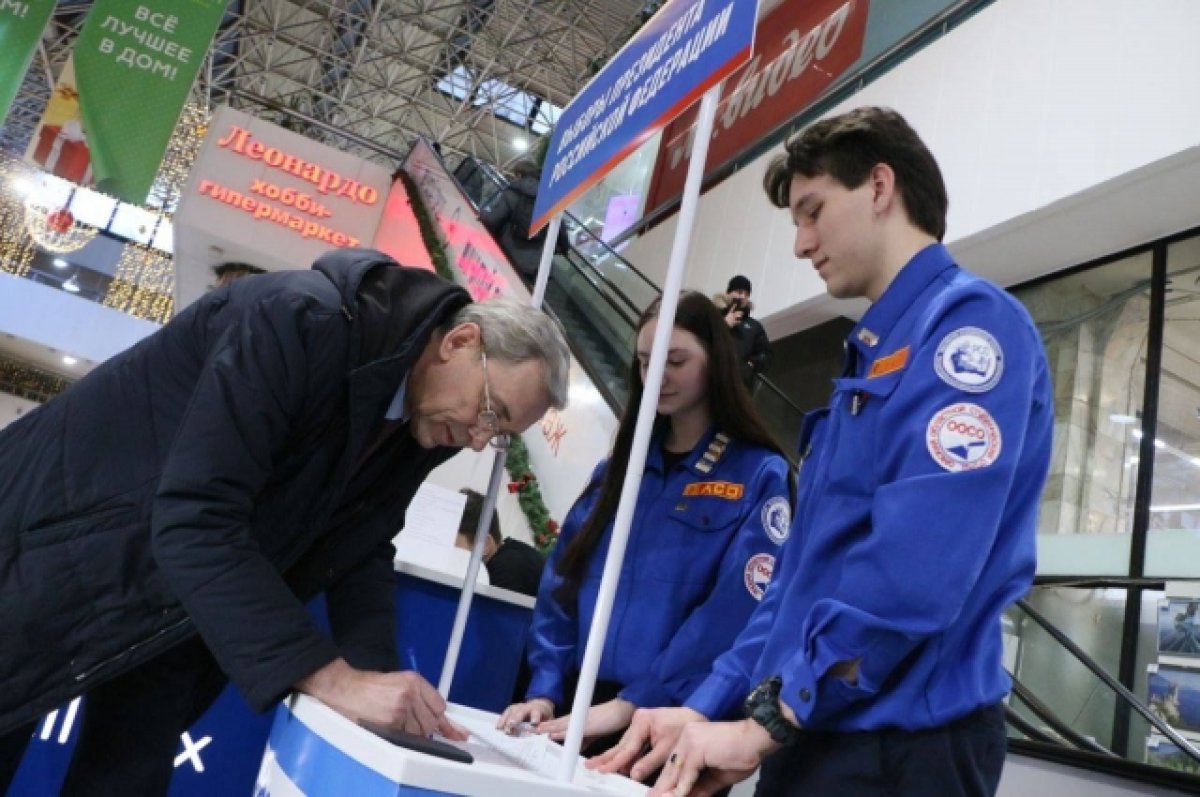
{"points": [[700, 554], [919, 498]]}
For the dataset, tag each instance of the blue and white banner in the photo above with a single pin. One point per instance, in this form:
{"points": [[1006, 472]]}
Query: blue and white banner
{"points": [[688, 47]]}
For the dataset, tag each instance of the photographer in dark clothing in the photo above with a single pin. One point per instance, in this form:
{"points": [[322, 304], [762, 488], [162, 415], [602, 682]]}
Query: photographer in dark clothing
{"points": [[754, 349]]}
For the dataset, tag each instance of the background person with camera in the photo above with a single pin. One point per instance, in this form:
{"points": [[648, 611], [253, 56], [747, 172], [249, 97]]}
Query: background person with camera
{"points": [[753, 347]]}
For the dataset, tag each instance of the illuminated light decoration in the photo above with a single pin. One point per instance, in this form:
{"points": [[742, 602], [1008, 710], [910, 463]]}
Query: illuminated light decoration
{"points": [[180, 155], [56, 229], [144, 284], [16, 249], [27, 382]]}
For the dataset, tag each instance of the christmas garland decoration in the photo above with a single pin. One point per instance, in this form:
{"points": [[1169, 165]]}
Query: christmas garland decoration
{"points": [[437, 251], [529, 496], [524, 484]]}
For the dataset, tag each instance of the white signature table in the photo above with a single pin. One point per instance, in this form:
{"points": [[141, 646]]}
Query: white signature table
{"points": [[313, 751]]}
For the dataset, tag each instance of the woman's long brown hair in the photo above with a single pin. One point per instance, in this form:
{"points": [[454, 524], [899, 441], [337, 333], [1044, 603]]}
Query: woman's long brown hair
{"points": [[733, 412]]}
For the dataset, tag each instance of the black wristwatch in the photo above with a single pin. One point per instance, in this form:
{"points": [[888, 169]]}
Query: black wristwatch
{"points": [[762, 706]]}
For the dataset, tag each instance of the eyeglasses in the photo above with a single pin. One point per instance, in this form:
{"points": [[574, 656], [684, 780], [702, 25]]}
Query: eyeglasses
{"points": [[488, 421]]}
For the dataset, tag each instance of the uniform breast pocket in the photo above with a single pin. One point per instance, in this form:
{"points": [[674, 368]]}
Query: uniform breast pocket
{"points": [[856, 411], [695, 539]]}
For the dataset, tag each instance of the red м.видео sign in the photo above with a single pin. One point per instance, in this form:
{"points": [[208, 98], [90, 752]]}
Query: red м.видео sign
{"points": [[801, 48]]}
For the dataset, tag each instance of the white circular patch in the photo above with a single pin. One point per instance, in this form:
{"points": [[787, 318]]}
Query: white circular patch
{"points": [[963, 437], [777, 519], [969, 359], [758, 572]]}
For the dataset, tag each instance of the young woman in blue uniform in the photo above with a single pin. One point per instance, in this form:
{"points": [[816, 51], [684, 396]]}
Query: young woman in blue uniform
{"points": [[714, 506]]}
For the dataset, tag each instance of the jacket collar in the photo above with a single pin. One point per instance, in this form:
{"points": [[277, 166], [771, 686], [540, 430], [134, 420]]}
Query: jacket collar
{"points": [[394, 312], [701, 460], [879, 320]]}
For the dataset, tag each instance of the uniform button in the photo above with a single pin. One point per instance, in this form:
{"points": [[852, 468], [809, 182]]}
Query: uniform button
{"points": [[805, 695]]}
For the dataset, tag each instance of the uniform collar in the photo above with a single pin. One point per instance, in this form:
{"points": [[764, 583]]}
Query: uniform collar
{"points": [[881, 317]]}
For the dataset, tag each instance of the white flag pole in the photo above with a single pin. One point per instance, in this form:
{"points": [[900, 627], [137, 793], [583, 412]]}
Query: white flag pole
{"points": [[543, 275], [489, 501], [468, 589], [641, 436]]}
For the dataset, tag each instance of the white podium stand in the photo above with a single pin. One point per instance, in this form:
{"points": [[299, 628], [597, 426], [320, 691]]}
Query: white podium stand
{"points": [[315, 752]]}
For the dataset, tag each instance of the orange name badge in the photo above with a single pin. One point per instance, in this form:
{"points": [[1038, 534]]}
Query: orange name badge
{"points": [[889, 364], [726, 490]]}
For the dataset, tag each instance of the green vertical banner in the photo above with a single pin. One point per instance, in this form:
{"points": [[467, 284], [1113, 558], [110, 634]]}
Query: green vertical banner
{"points": [[21, 25], [135, 62]]}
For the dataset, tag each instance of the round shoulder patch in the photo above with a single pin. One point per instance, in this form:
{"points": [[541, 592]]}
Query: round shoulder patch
{"points": [[777, 519], [758, 572], [963, 437], [969, 359]]}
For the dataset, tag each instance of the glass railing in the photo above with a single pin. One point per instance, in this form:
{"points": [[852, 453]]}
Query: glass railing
{"points": [[598, 296]]}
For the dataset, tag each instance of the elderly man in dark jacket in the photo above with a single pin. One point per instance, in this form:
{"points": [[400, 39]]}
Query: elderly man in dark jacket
{"points": [[163, 522]]}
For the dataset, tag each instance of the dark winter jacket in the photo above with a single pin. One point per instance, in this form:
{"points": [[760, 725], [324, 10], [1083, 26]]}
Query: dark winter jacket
{"points": [[212, 478], [753, 345]]}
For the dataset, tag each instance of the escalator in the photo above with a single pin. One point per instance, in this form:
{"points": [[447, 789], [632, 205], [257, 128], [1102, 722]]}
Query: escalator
{"points": [[598, 297], [1063, 734]]}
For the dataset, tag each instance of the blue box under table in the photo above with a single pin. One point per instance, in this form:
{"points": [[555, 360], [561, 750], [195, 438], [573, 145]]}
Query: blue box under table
{"points": [[223, 750]]}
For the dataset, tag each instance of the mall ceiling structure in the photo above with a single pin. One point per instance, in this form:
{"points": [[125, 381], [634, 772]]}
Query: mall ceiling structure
{"points": [[478, 77]]}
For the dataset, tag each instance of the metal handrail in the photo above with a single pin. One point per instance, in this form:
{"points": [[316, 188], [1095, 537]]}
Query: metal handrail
{"points": [[778, 391], [632, 305], [592, 276], [498, 180], [1112, 683], [1027, 728], [1048, 716]]}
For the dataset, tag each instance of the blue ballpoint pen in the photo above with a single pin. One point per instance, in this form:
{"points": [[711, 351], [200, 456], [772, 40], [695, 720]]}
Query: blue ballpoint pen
{"points": [[411, 656]]}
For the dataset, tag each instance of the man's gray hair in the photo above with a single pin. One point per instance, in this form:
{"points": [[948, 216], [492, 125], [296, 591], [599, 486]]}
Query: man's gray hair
{"points": [[515, 333]]}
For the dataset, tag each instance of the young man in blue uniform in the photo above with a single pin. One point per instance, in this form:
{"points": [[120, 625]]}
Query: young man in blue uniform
{"points": [[873, 665]]}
